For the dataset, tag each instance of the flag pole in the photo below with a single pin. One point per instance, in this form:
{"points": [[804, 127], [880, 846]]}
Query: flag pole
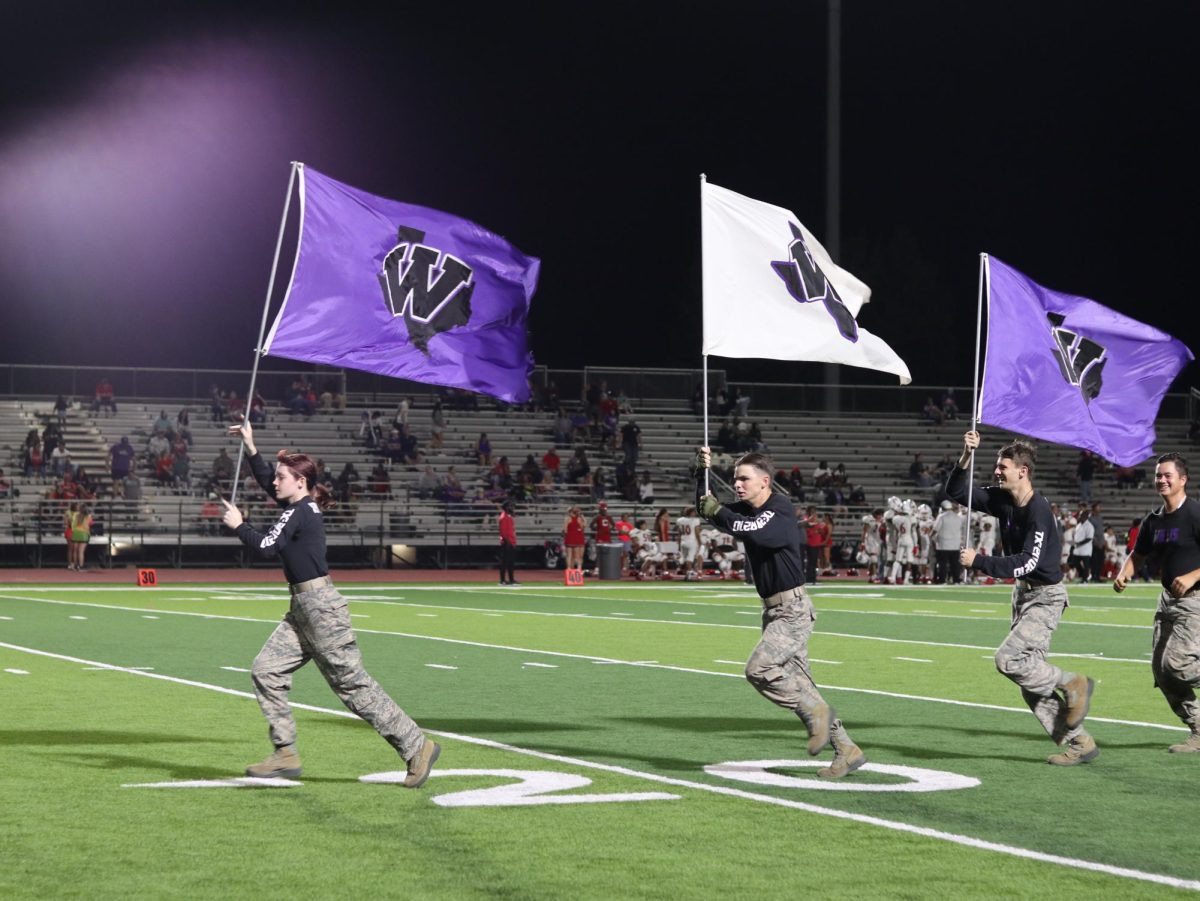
{"points": [[983, 258], [262, 328], [703, 354]]}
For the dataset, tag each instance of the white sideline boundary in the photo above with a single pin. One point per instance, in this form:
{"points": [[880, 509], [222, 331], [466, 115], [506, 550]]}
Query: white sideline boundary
{"points": [[646, 664], [894, 825]]}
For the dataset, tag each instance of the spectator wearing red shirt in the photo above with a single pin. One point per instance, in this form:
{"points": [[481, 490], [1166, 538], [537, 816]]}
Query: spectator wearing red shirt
{"points": [[104, 397], [508, 544], [551, 462], [816, 532], [603, 525]]}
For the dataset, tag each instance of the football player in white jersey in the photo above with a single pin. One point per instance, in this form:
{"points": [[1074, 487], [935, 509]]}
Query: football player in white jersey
{"points": [[691, 560], [871, 543], [924, 529], [902, 523]]}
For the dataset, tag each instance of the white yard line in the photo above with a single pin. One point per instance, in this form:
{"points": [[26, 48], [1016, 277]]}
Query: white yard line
{"points": [[628, 618], [913, 659], [894, 825], [440, 666]]}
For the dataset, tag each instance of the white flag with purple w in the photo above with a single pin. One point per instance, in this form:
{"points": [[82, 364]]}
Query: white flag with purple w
{"points": [[771, 290]]}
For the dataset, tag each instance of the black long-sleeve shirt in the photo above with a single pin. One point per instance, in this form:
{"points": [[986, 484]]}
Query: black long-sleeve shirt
{"points": [[298, 536], [772, 541], [1028, 534]]}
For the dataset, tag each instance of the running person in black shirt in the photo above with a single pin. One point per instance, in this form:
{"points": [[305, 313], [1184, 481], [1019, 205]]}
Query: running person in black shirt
{"points": [[765, 522], [317, 626], [1171, 536], [1031, 557]]}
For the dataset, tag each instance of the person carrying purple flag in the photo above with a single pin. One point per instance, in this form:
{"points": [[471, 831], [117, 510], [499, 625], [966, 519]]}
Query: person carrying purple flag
{"points": [[317, 625], [1031, 557]]}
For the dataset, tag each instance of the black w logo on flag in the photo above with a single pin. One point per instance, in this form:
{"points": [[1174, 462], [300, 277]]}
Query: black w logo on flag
{"points": [[430, 288], [1080, 359], [807, 283]]}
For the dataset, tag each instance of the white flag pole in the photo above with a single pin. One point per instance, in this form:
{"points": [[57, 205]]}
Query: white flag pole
{"points": [[262, 328], [983, 260], [703, 355]]}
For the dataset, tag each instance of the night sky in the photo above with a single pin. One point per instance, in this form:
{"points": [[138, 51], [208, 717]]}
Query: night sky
{"points": [[144, 154]]}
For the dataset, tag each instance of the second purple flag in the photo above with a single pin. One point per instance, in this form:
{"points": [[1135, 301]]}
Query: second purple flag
{"points": [[405, 291], [1066, 369]]}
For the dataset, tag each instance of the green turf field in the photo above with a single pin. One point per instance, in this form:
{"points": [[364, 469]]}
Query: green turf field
{"points": [[583, 732]]}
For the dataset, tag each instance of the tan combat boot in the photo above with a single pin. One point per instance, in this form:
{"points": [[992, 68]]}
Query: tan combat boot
{"points": [[1080, 749], [284, 762], [820, 719], [1079, 697], [419, 766], [1191, 746], [847, 758]]}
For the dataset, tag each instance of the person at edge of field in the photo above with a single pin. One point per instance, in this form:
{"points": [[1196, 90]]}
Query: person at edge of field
{"points": [[1029, 540], [1170, 535], [317, 625], [508, 545], [778, 667]]}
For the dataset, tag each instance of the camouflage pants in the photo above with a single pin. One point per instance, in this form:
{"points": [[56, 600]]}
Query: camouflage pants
{"points": [[778, 665], [317, 627], [1175, 661], [1036, 611]]}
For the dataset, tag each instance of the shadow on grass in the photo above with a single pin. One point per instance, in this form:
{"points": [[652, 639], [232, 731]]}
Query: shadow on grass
{"points": [[174, 770], [480, 727], [61, 737], [707, 725]]}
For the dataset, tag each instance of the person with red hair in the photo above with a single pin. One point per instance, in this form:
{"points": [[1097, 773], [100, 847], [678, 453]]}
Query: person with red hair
{"points": [[317, 625]]}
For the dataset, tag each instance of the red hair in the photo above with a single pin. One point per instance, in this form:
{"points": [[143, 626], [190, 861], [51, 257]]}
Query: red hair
{"points": [[302, 466]]}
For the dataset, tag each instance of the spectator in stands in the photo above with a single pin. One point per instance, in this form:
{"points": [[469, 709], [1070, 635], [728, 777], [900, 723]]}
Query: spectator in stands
{"points": [[409, 446], [592, 396], [31, 455], [631, 442], [722, 401], [438, 427], [216, 404], [131, 487], [393, 448], [727, 437], [85, 483], [452, 489], [347, 482], [608, 431], [740, 403], [60, 461], [562, 429], [646, 489], [380, 482], [483, 450], [579, 468], [599, 488], [299, 403], [840, 478], [51, 438], [222, 468], [60, 410], [931, 412], [914, 468], [157, 446], [368, 430], [210, 515], [178, 445], [235, 408], [949, 406], [501, 475], [857, 496], [164, 469], [579, 426], [183, 426], [624, 407], [551, 463], [258, 409], [325, 401], [1126, 477], [104, 399], [795, 484], [6, 489], [163, 423], [428, 484], [822, 475], [530, 468], [400, 417]]}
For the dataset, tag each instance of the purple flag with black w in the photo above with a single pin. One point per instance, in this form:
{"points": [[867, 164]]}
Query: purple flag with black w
{"points": [[405, 291], [1066, 369]]}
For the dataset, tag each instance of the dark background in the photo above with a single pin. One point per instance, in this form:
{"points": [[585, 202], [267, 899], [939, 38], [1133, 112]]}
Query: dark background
{"points": [[144, 153]]}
